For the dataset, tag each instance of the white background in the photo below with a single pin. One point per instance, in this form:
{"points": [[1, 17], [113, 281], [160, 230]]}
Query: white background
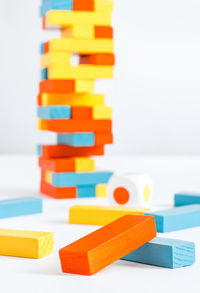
{"points": [[156, 90]]}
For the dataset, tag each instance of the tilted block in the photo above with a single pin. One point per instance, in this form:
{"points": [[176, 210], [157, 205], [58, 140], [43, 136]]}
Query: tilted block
{"points": [[177, 218], [101, 190], [101, 248], [54, 112], [100, 215], [130, 189], [182, 199], [164, 252], [29, 244], [20, 207], [76, 139]]}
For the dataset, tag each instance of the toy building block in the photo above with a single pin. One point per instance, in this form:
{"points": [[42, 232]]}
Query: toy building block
{"points": [[44, 74], [86, 5], [164, 252], [100, 215], [130, 189], [103, 32], [103, 5], [57, 86], [84, 86], [29, 244], [101, 112], [101, 190], [63, 151], [20, 207], [101, 248], [55, 58], [86, 191], [177, 218], [98, 59], [182, 199], [55, 4], [58, 193], [67, 164], [95, 112], [79, 179], [42, 124], [76, 139], [79, 31], [54, 112]]}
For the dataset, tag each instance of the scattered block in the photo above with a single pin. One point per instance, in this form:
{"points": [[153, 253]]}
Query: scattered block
{"points": [[182, 199], [101, 248], [54, 112], [101, 190], [100, 215], [76, 139], [164, 252], [177, 218], [29, 244]]}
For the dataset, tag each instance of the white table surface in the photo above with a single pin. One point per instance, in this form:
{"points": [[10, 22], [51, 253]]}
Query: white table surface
{"points": [[19, 176]]}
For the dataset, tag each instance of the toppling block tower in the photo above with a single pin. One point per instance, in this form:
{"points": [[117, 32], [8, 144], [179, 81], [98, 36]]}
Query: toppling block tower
{"points": [[67, 104]]}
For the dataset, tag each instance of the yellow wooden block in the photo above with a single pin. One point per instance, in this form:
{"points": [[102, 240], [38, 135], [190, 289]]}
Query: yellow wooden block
{"points": [[101, 112], [64, 18], [84, 165], [48, 177], [78, 31], [84, 86], [55, 58], [80, 72], [42, 124], [104, 5], [101, 190], [25, 243], [89, 100], [81, 46], [100, 215]]}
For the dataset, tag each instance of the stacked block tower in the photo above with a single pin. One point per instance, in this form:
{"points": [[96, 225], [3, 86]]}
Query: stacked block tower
{"points": [[67, 104]]}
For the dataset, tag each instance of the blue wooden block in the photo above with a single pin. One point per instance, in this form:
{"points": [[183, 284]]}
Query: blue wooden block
{"points": [[39, 150], [56, 5], [20, 207], [182, 199], [44, 74], [76, 179], [177, 218], [41, 48], [76, 139], [54, 112], [86, 191], [164, 252]]}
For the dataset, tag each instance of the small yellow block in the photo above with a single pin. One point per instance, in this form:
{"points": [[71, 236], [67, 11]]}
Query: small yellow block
{"points": [[48, 177], [100, 215], [55, 58], [84, 165], [72, 99], [25, 243], [64, 18], [104, 5], [101, 190], [42, 124], [80, 72], [101, 112], [81, 46], [84, 86], [78, 31]]}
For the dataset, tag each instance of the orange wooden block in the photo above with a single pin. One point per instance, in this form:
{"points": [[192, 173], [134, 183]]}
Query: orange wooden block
{"points": [[103, 32], [39, 100], [101, 248], [103, 138], [57, 165], [63, 151], [83, 5], [57, 86], [46, 47], [81, 112], [58, 192], [98, 59], [70, 125]]}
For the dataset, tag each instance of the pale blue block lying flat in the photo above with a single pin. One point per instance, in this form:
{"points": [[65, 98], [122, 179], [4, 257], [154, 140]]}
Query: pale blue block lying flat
{"points": [[86, 191], [44, 74], [20, 207], [164, 252], [76, 179], [56, 5], [54, 112], [177, 218], [76, 139], [182, 199]]}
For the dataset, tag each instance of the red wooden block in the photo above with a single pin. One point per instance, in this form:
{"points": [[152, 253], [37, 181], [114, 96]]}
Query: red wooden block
{"points": [[57, 165], [103, 138], [98, 59], [103, 32], [83, 5], [81, 112], [58, 192], [57, 86]]}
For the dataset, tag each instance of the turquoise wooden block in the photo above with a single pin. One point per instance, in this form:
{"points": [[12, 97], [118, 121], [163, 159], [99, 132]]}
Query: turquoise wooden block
{"points": [[164, 252], [54, 112], [76, 139], [42, 49], [177, 218], [44, 74], [76, 179], [181, 199], [20, 207], [39, 150], [56, 5], [86, 191]]}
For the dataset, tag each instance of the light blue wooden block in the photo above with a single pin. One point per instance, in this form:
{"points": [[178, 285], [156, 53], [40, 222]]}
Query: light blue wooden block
{"points": [[86, 191], [56, 5], [20, 207], [41, 48], [177, 218], [76, 179], [76, 139], [54, 112], [182, 199], [39, 150], [164, 252], [44, 74]]}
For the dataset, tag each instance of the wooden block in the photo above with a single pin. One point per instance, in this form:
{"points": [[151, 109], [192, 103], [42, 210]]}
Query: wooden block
{"points": [[29, 244], [103, 32], [101, 190], [81, 112], [103, 6], [182, 199], [177, 218], [99, 249], [164, 252], [72, 99], [78, 31], [57, 192], [80, 46], [98, 59], [86, 191], [101, 112], [103, 138], [54, 112], [55, 4], [100, 215], [44, 74], [76, 139], [55, 58], [75, 179], [95, 113], [20, 207], [63, 151], [64, 18], [42, 124], [86, 5], [84, 86], [67, 164], [57, 86]]}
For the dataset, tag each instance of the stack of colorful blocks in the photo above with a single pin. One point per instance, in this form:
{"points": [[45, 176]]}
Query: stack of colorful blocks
{"points": [[67, 104]]}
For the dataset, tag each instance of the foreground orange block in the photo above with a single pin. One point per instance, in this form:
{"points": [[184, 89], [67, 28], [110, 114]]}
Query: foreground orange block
{"points": [[58, 192], [99, 249], [98, 59]]}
